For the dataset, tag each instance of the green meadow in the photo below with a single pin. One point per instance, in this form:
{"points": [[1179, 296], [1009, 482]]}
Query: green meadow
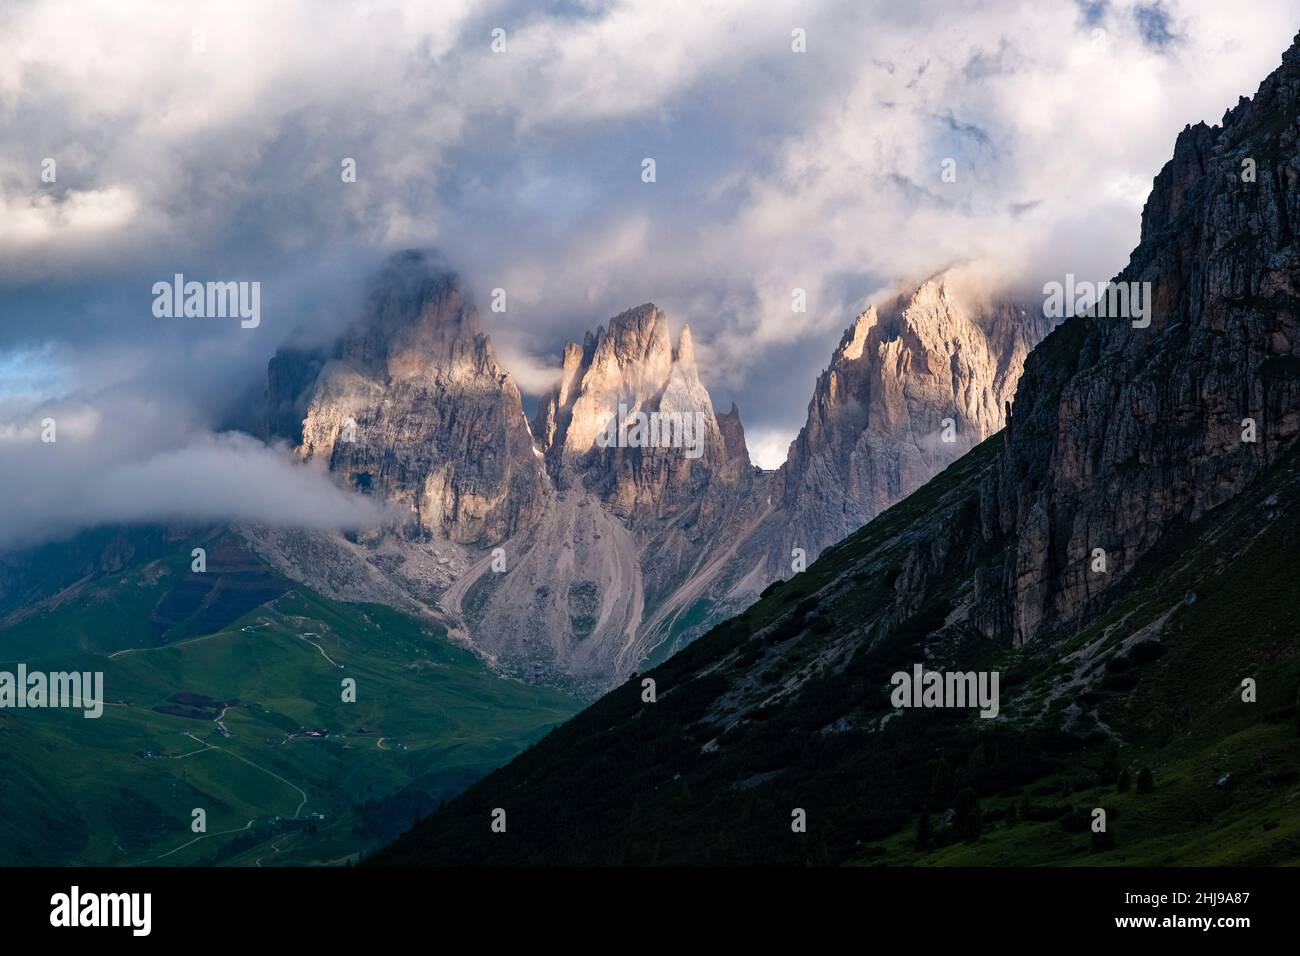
{"points": [[428, 719]]}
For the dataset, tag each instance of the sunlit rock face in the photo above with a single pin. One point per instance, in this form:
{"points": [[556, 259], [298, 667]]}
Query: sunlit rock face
{"points": [[628, 515], [414, 407]]}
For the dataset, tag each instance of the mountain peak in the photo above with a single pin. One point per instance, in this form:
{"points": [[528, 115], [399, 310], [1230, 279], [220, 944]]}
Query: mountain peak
{"points": [[930, 293], [1292, 54], [413, 385], [855, 337], [684, 354], [411, 280], [872, 432], [637, 322]]}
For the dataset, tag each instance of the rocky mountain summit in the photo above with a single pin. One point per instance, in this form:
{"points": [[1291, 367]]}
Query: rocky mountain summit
{"points": [[415, 407], [628, 369], [627, 516], [910, 389]]}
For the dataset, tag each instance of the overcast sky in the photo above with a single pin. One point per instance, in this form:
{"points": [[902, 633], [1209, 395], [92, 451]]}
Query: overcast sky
{"points": [[208, 139]]}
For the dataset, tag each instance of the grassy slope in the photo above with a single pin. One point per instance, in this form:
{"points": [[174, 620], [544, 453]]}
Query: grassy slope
{"points": [[107, 615], [151, 601], [79, 791], [1184, 714]]}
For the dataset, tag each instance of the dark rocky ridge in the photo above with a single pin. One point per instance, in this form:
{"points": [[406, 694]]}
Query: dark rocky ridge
{"points": [[1119, 433]]}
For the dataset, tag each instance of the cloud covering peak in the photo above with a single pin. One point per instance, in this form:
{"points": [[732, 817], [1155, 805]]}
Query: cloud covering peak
{"points": [[833, 146]]}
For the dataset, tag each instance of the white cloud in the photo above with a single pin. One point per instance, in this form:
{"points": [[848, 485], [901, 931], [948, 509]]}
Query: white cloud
{"points": [[127, 460], [40, 222], [767, 448], [818, 170]]}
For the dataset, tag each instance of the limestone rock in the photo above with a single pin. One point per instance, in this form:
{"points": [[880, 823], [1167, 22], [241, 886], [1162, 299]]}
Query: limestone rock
{"points": [[415, 407]]}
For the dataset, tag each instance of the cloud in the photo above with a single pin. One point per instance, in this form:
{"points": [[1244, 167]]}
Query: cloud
{"points": [[45, 220], [1154, 25], [207, 138], [767, 448], [126, 461], [533, 375], [227, 477]]}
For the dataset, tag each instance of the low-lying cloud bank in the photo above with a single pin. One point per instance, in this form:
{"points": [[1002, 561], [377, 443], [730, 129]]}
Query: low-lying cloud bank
{"points": [[101, 470]]}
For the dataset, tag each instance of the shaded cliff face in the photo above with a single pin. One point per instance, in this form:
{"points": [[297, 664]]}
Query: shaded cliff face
{"points": [[1123, 432], [1119, 433], [415, 407], [1122, 438]]}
